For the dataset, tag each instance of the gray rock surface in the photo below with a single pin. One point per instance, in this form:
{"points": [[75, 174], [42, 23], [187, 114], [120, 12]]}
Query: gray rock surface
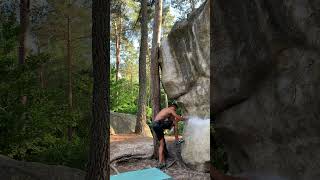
{"points": [[185, 62], [185, 76], [266, 84], [122, 123], [195, 151], [17, 170]]}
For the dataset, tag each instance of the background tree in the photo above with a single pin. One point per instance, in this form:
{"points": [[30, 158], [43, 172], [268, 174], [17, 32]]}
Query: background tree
{"points": [[62, 17], [69, 68], [98, 165], [24, 22], [118, 29], [141, 115], [36, 131], [154, 69], [185, 7]]}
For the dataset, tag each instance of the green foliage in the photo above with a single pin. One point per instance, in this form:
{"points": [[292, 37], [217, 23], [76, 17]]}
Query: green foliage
{"points": [[123, 94], [8, 30], [60, 151], [36, 131], [184, 7]]}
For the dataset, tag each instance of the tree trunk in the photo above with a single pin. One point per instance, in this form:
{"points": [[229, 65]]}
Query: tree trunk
{"points": [[141, 116], [98, 164], [165, 100], [41, 76], [24, 23], [69, 63], [41, 69], [154, 69], [118, 45], [148, 79]]}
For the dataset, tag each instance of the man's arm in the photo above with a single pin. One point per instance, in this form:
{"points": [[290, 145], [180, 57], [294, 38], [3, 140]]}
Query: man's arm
{"points": [[174, 114]]}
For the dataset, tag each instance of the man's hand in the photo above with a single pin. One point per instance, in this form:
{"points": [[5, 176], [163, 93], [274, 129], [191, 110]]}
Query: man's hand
{"points": [[184, 118]]}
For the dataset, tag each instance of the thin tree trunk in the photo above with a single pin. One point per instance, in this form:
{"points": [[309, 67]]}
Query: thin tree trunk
{"points": [[141, 116], [165, 100], [148, 80], [24, 23], [154, 69], [98, 164], [69, 62], [118, 46], [41, 76], [41, 69], [131, 84]]}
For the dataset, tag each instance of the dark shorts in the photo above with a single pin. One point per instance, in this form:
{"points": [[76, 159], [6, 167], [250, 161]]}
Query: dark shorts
{"points": [[157, 128], [160, 125]]}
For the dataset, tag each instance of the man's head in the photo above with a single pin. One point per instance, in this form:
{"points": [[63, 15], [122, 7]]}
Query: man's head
{"points": [[173, 106]]}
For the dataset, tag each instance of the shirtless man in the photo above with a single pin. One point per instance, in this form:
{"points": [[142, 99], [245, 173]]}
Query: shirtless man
{"points": [[165, 119]]}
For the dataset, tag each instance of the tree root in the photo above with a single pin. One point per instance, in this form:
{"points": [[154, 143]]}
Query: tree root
{"points": [[114, 169], [126, 157]]}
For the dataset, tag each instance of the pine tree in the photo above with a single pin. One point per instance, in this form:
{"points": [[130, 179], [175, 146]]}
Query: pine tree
{"points": [[98, 165], [141, 116]]}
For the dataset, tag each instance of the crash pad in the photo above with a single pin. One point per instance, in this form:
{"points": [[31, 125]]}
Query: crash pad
{"points": [[145, 174]]}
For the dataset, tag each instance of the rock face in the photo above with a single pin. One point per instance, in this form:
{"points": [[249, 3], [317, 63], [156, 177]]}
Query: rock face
{"points": [[266, 84], [185, 66], [196, 148], [121, 123], [11, 169], [185, 62]]}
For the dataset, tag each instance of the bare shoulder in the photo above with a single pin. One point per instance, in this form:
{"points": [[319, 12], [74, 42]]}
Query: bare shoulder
{"points": [[170, 111], [166, 110]]}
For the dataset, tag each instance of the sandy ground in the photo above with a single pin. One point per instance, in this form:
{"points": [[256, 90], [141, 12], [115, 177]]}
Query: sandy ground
{"points": [[132, 144]]}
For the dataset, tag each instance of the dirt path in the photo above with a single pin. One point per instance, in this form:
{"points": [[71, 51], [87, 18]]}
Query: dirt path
{"points": [[126, 144]]}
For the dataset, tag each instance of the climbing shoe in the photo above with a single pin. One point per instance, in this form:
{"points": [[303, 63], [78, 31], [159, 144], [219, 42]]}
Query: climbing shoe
{"points": [[161, 165]]}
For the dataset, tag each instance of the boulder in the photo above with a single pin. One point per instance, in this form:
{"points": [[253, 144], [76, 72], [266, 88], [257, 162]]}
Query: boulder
{"points": [[122, 123], [18, 170], [266, 84], [185, 76], [185, 62], [195, 151], [112, 131]]}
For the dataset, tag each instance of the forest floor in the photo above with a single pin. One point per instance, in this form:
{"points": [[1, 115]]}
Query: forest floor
{"points": [[131, 152]]}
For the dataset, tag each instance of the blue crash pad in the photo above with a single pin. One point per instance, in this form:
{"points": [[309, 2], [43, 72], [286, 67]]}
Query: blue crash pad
{"points": [[144, 174]]}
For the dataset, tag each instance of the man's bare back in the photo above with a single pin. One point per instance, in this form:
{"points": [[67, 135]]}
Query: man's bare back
{"points": [[168, 112]]}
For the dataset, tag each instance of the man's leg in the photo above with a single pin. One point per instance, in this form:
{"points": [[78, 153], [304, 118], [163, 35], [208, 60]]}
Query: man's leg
{"points": [[161, 152]]}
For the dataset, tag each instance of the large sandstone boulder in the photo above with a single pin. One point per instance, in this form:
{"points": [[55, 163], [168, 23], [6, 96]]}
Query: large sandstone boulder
{"points": [[266, 84], [185, 62], [122, 123], [18, 170], [185, 76]]}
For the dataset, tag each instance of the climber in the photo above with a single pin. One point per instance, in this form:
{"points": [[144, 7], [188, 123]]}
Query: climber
{"points": [[165, 119]]}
